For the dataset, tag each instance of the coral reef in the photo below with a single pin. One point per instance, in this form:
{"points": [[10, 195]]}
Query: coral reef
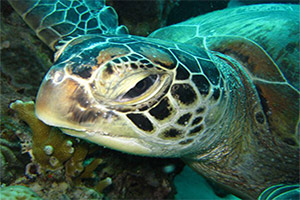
{"points": [[24, 59], [18, 192], [22, 54], [12, 162], [8, 160]]}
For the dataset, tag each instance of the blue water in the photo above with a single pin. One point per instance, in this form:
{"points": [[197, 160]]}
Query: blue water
{"points": [[190, 185]]}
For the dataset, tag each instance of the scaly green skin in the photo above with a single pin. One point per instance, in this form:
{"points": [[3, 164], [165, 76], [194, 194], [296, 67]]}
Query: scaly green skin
{"points": [[212, 100]]}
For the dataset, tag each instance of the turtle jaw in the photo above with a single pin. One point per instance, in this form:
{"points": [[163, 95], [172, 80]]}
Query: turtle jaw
{"points": [[129, 145]]}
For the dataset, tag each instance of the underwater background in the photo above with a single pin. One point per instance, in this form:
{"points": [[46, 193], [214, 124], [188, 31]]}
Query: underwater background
{"points": [[81, 170]]}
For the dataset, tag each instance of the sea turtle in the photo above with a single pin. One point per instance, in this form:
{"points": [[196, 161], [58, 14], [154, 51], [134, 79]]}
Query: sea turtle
{"points": [[219, 91]]}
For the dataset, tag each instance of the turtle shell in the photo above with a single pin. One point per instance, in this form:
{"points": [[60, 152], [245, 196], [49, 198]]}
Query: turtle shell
{"points": [[264, 39]]}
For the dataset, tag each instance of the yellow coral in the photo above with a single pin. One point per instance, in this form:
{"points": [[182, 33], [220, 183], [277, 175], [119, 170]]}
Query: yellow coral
{"points": [[103, 184], [89, 169], [45, 138], [74, 166]]}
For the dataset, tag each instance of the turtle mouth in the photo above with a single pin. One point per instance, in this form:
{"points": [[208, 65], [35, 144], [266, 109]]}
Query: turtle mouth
{"points": [[116, 142]]}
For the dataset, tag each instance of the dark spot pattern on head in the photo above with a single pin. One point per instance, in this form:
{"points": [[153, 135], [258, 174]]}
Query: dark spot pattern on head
{"points": [[109, 68], [81, 101], [116, 60], [184, 93], [133, 66], [81, 98], [197, 120], [210, 70], [202, 84], [124, 58], [149, 65], [82, 71], [131, 58], [182, 73], [184, 119], [162, 110], [188, 60], [84, 116], [200, 110], [196, 130], [144, 61], [146, 107], [172, 134], [216, 94], [141, 122]]}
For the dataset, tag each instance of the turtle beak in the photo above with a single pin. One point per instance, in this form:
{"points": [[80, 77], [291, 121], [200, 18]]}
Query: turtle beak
{"points": [[55, 98]]}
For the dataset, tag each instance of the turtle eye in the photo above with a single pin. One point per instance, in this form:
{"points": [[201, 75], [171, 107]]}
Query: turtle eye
{"points": [[141, 87]]}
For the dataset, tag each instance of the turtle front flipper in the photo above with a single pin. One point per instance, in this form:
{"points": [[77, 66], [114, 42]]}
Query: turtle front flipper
{"points": [[54, 20]]}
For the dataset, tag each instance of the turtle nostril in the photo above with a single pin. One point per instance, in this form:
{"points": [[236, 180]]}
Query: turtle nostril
{"points": [[58, 77]]}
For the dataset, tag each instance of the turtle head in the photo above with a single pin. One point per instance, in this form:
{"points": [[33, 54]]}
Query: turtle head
{"points": [[121, 92]]}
